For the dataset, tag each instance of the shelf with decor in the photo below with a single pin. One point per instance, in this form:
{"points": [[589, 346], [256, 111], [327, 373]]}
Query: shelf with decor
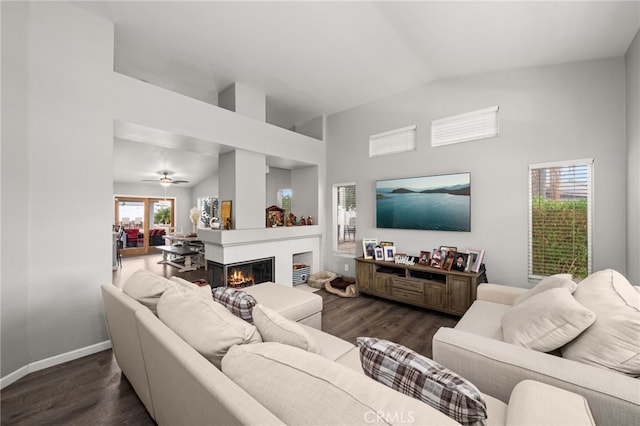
{"points": [[441, 290]]}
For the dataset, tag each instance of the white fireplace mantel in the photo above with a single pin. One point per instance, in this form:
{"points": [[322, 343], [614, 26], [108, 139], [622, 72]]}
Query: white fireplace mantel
{"points": [[288, 245]]}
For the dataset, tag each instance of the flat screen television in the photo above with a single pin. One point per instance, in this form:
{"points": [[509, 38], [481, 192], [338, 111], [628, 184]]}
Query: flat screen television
{"points": [[436, 203]]}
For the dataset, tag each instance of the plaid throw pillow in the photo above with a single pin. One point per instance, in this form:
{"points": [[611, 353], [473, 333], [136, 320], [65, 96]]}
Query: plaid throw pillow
{"points": [[238, 302], [417, 376]]}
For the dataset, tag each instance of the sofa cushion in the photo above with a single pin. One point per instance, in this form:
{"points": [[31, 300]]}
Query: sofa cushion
{"points": [[204, 324], [146, 287], [325, 392], [239, 303], [612, 341], [204, 291], [417, 376], [546, 321], [273, 327], [547, 283], [291, 303], [483, 318]]}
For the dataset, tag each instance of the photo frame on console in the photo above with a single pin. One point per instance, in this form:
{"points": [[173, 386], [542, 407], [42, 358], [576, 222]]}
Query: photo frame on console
{"points": [[389, 253], [379, 253], [425, 258], [475, 259], [369, 247]]}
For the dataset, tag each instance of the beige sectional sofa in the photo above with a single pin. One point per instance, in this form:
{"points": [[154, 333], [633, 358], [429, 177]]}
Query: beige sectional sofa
{"points": [[273, 383], [475, 349]]}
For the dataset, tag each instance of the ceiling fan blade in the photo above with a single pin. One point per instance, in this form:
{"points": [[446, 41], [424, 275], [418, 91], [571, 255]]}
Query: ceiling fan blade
{"points": [[149, 180], [180, 181]]}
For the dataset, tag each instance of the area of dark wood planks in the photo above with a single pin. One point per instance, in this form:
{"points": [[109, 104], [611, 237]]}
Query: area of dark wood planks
{"points": [[92, 391]]}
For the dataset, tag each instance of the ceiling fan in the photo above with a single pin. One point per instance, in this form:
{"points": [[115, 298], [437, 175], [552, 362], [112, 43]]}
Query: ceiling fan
{"points": [[165, 180]]}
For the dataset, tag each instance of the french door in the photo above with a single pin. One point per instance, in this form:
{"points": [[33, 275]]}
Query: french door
{"points": [[141, 216]]}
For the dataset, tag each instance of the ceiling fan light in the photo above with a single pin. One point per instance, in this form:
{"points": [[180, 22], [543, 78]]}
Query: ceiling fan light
{"points": [[165, 182]]}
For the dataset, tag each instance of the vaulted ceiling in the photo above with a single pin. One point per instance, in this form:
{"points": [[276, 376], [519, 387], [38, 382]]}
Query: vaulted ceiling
{"points": [[319, 58]]}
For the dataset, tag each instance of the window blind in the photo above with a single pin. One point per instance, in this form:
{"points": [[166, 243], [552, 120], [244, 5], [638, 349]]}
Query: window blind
{"points": [[560, 199], [466, 127], [392, 142]]}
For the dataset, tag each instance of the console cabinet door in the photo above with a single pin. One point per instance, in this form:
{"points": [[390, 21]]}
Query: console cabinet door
{"points": [[364, 276], [459, 289], [381, 283], [434, 295]]}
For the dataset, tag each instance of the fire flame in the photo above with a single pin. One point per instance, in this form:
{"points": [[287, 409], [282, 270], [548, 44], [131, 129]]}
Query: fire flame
{"points": [[237, 278]]}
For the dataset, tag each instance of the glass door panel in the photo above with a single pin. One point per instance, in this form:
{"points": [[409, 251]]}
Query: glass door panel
{"points": [[144, 220]]}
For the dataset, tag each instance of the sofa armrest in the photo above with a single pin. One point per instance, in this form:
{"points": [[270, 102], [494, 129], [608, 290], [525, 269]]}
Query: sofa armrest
{"points": [[533, 403], [498, 293], [496, 367]]}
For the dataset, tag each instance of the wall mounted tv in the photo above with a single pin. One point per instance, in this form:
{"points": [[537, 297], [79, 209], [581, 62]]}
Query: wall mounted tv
{"points": [[439, 203]]}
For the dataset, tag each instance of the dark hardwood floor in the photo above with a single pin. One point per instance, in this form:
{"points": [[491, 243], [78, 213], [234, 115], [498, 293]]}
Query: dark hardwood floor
{"points": [[92, 390]]}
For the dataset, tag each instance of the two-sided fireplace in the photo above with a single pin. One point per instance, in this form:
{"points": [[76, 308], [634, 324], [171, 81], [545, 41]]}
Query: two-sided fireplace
{"points": [[241, 274]]}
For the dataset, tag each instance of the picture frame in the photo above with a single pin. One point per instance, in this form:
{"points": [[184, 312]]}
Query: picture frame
{"points": [[475, 259], [460, 262], [386, 243], [274, 217], [389, 253], [379, 253], [448, 249], [425, 258], [437, 258], [368, 247], [225, 214], [447, 263]]}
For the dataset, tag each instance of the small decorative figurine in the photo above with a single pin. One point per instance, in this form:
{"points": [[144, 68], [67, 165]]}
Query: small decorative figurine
{"points": [[309, 220], [303, 221]]}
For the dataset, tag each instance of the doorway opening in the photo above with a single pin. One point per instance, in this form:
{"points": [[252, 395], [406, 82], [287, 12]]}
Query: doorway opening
{"points": [[145, 221]]}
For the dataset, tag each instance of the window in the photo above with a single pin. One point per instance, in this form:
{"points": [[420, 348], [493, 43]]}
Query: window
{"points": [[344, 219], [284, 200], [560, 218], [392, 142], [474, 125]]}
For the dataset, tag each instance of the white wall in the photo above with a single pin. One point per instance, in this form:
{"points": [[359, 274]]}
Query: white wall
{"points": [[632, 60], [546, 114], [183, 196], [276, 179], [58, 151]]}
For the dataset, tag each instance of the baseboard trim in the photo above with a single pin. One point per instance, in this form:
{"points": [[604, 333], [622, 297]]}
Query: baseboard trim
{"points": [[53, 361]]}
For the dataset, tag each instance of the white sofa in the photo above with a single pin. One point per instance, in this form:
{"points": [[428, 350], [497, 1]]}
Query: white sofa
{"points": [[475, 349], [178, 385]]}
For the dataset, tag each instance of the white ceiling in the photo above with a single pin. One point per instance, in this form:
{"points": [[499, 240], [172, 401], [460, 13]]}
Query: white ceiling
{"points": [[318, 58]]}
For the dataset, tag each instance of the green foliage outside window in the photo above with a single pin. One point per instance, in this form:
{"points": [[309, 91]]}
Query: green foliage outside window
{"points": [[162, 215], [560, 237]]}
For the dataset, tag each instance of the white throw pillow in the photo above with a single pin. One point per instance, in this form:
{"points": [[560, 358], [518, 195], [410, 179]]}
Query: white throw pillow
{"points": [[613, 341], [204, 324], [547, 283], [302, 388], [546, 321], [146, 287], [273, 327]]}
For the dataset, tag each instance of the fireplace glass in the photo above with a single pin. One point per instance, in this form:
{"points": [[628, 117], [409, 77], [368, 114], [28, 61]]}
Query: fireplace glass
{"points": [[241, 274]]}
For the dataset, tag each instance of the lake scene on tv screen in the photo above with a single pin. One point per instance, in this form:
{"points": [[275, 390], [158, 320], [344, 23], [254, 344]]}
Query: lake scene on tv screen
{"points": [[439, 203]]}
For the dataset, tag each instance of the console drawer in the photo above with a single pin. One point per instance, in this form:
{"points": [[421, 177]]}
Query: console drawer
{"points": [[407, 295], [407, 284]]}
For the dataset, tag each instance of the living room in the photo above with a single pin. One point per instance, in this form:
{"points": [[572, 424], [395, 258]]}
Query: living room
{"points": [[58, 142]]}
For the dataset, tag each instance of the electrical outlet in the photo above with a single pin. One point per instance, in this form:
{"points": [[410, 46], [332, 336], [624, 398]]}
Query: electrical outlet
{"points": [[346, 267]]}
